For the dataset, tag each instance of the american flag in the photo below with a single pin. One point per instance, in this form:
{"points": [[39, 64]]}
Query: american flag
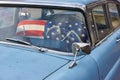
{"points": [[59, 32], [63, 30], [31, 28]]}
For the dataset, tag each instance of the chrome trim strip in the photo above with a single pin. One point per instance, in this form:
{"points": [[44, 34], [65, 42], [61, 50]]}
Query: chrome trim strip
{"points": [[46, 3], [31, 48], [104, 39]]}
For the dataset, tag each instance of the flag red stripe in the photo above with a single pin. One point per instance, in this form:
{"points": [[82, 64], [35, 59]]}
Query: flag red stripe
{"points": [[31, 33], [28, 22]]}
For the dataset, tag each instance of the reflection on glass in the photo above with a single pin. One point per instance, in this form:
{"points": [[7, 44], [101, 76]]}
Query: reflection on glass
{"points": [[49, 28], [6, 15]]}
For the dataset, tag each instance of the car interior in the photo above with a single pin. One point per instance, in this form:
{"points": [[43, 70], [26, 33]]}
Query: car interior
{"points": [[60, 31]]}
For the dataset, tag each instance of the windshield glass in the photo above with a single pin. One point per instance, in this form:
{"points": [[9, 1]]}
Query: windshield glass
{"points": [[48, 28]]}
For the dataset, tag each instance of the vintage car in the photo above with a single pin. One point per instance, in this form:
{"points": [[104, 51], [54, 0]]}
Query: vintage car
{"points": [[59, 40]]}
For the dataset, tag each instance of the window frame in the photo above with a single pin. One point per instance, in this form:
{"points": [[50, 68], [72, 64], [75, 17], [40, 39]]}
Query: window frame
{"points": [[96, 43], [118, 9], [94, 22]]}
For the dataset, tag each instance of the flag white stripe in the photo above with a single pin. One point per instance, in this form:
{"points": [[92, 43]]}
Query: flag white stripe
{"points": [[30, 27]]}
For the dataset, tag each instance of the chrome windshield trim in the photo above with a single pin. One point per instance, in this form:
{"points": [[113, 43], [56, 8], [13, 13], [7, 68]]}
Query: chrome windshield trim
{"points": [[45, 3], [14, 44], [30, 48]]}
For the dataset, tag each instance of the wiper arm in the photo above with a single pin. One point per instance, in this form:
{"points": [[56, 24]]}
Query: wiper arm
{"points": [[26, 43], [18, 41]]}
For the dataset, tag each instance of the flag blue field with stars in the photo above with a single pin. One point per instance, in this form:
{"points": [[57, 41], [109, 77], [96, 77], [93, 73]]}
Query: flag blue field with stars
{"points": [[61, 30]]}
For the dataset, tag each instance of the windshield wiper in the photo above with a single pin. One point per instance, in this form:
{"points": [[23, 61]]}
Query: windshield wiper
{"points": [[25, 43], [18, 41]]}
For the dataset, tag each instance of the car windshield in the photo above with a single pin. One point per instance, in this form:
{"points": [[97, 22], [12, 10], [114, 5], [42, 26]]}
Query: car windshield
{"points": [[54, 29]]}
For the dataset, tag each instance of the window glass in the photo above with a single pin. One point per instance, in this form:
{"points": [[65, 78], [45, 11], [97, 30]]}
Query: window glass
{"points": [[100, 22], [114, 15], [29, 13], [53, 29], [59, 28], [7, 16], [93, 28]]}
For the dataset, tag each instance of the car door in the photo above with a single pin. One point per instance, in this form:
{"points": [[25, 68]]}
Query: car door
{"points": [[105, 26]]}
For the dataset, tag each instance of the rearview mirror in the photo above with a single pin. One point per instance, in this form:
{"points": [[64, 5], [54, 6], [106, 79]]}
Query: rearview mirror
{"points": [[24, 15], [81, 47]]}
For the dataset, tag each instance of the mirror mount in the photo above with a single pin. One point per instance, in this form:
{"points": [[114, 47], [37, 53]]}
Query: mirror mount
{"points": [[79, 48]]}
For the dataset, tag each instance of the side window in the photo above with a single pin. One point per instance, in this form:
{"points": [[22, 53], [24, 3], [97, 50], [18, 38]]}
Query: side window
{"points": [[93, 28], [114, 15], [99, 22]]}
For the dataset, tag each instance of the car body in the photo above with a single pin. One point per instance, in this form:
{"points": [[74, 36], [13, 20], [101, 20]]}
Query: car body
{"points": [[60, 40]]}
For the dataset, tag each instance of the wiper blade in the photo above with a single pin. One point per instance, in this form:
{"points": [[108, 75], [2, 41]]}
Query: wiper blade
{"points": [[18, 41], [26, 43]]}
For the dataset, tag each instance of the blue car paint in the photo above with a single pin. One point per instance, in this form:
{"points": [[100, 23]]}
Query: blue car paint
{"points": [[107, 54], [86, 69], [18, 64], [97, 63], [113, 74], [23, 64]]}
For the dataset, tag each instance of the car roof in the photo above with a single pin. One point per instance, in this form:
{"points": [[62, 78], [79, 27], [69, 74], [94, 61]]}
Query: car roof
{"points": [[85, 2], [63, 3]]}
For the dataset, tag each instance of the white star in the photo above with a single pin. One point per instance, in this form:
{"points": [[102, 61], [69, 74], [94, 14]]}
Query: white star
{"points": [[84, 27], [70, 25], [48, 37], [50, 22], [76, 24], [53, 25], [93, 26], [63, 36], [102, 31], [67, 41], [60, 24], [83, 35], [79, 29], [72, 39], [48, 29], [53, 33], [58, 30], [57, 38]]}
